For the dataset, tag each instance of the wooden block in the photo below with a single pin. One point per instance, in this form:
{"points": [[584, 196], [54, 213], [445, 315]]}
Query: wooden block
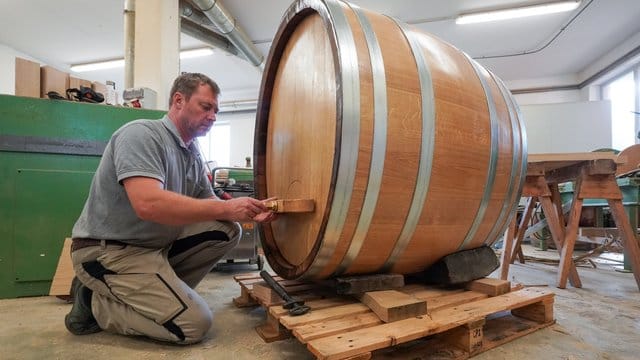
{"points": [[27, 81], [541, 312], [462, 266], [264, 293], [245, 299], [291, 205], [392, 305], [468, 337], [61, 284], [490, 286], [361, 284], [272, 331]]}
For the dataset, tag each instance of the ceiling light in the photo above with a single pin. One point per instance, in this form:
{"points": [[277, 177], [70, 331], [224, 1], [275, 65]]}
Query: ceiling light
{"points": [[194, 53], [102, 65], [118, 63], [513, 13]]}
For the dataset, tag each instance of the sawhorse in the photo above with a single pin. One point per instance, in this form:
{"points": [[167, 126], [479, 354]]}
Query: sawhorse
{"points": [[594, 174]]}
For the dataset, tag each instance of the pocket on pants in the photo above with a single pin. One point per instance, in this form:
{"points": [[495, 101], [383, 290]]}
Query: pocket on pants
{"points": [[148, 294]]}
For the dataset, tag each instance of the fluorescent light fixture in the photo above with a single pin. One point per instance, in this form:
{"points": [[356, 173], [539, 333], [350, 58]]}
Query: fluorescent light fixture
{"points": [[118, 63], [514, 13], [102, 65], [194, 53]]}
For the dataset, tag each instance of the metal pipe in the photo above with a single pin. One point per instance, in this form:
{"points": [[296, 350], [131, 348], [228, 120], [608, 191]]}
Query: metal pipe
{"points": [[221, 18], [619, 62], [129, 41], [198, 17], [207, 36]]}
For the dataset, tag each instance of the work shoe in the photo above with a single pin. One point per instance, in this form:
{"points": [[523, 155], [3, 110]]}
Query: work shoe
{"points": [[80, 320]]}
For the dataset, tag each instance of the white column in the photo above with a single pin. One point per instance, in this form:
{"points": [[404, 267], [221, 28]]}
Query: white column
{"points": [[157, 47]]}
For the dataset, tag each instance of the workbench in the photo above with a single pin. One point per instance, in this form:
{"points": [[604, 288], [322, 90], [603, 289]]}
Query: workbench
{"points": [[594, 177]]}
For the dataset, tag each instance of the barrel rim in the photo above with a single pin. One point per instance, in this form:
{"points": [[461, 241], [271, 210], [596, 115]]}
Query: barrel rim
{"points": [[292, 17]]}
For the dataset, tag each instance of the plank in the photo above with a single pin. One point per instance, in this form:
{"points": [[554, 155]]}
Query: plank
{"points": [[392, 305], [278, 311], [571, 157], [291, 205], [61, 284], [308, 332], [324, 314], [442, 302], [390, 334]]}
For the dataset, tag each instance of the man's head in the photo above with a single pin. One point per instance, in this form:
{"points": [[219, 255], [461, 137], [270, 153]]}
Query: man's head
{"points": [[187, 83], [193, 104]]}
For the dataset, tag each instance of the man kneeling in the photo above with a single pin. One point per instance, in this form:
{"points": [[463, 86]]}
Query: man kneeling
{"points": [[151, 228]]}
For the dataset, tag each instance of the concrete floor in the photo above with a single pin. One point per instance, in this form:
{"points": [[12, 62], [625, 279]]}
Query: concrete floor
{"points": [[599, 321]]}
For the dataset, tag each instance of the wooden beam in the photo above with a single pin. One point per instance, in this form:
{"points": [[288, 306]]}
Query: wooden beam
{"points": [[392, 305], [490, 286]]}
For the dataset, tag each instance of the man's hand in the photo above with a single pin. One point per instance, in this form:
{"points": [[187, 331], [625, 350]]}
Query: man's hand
{"points": [[246, 209]]}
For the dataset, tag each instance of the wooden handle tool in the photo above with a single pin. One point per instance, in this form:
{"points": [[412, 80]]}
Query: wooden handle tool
{"points": [[291, 205]]}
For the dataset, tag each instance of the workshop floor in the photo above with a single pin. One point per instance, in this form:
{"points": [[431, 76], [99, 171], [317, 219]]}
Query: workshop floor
{"points": [[599, 321]]}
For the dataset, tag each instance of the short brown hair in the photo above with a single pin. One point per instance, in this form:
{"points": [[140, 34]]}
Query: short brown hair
{"points": [[187, 83]]}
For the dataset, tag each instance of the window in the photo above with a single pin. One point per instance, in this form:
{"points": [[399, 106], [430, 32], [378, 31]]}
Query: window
{"points": [[216, 145], [622, 92]]}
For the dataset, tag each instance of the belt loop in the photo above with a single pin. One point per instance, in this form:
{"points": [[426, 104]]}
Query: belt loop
{"points": [[103, 244]]}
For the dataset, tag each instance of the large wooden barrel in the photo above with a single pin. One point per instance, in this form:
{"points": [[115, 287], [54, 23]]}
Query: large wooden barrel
{"points": [[410, 149]]}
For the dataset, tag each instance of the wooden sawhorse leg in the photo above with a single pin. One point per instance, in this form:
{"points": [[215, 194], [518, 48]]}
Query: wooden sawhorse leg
{"points": [[598, 186], [507, 245], [522, 228]]}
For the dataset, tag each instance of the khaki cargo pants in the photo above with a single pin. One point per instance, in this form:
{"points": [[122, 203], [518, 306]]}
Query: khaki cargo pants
{"points": [[149, 292]]}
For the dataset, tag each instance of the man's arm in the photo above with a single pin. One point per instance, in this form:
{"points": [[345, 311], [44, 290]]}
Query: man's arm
{"points": [[153, 203]]}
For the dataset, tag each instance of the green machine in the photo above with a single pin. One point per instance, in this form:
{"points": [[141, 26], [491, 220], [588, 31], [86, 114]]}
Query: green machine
{"points": [[49, 151], [630, 188]]}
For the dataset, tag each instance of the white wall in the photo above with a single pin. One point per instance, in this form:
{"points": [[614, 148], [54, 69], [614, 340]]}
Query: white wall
{"points": [[567, 127], [242, 130], [7, 70], [8, 57]]}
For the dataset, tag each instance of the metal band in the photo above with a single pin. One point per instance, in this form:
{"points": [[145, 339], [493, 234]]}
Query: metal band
{"points": [[493, 159], [379, 142], [50, 145], [348, 84], [516, 150], [523, 160], [426, 148]]}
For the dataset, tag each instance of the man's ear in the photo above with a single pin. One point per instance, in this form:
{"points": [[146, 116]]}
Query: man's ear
{"points": [[178, 99]]}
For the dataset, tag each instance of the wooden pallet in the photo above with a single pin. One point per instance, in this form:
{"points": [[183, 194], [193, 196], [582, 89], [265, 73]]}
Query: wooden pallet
{"points": [[459, 323]]}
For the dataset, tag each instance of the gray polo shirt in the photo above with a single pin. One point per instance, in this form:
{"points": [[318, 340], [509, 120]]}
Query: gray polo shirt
{"points": [[149, 148]]}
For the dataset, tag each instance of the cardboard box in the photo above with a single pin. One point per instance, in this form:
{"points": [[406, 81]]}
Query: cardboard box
{"points": [[27, 80], [75, 83], [53, 80]]}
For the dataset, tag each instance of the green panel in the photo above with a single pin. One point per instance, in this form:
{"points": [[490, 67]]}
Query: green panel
{"points": [[44, 218], [41, 194]]}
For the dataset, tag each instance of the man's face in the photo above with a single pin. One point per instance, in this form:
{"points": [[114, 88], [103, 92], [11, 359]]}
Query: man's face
{"points": [[199, 112]]}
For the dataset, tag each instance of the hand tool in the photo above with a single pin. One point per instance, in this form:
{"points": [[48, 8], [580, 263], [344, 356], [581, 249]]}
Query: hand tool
{"points": [[295, 306]]}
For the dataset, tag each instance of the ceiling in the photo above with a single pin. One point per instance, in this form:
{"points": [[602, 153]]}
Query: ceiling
{"points": [[66, 32]]}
